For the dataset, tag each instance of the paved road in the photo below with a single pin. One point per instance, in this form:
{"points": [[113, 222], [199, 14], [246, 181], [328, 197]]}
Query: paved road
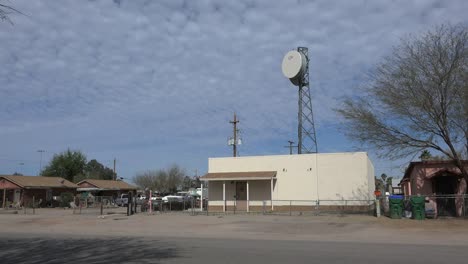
{"points": [[179, 250]]}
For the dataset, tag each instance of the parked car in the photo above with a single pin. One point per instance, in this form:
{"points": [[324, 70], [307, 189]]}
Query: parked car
{"points": [[173, 199], [122, 200]]}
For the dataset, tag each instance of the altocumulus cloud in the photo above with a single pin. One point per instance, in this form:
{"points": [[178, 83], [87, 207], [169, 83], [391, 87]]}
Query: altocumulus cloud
{"points": [[155, 82]]}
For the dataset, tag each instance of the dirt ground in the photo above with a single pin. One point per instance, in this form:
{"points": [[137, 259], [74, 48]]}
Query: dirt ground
{"points": [[348, 228]]}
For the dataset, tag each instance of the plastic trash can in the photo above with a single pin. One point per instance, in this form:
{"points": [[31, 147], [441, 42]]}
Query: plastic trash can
{"points": [[418, 206], [396, 206]]}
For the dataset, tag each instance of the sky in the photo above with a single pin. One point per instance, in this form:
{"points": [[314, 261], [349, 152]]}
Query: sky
{"points": [[155, 83]]}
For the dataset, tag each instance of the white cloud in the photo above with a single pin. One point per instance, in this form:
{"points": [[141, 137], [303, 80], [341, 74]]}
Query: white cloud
{"points": [[151, 76]]}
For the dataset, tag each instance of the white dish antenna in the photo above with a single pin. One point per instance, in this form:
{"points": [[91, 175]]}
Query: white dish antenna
{"points": [[293, 65]]}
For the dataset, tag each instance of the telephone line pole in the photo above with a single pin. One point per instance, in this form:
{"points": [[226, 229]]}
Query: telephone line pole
{"points": [[235, 130], [115, 174]]}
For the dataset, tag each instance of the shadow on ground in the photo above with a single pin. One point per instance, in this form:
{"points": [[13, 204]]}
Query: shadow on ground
{"points": [[90, 251]]}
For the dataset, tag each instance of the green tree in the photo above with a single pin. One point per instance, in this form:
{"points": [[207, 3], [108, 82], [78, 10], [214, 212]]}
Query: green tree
{"points": [[382, 184], [67, 164], [425, 155], [416, 99], [96, 170]]}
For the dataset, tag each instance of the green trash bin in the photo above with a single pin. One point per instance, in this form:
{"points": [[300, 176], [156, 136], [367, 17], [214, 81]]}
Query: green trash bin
{"points": [[418, 205], [396, 206]]}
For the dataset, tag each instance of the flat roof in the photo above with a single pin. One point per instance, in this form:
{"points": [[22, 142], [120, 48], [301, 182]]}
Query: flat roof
{"points": [[239, 175]]}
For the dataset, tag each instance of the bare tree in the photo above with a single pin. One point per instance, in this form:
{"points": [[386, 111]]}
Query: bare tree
{"points": [[416, 99], [164, 181], [5, 11], [147, 179]]}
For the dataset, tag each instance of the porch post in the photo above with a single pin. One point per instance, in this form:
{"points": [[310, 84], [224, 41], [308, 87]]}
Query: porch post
{"points": [[248, 198], [272, 208], [201, 198], [4, 197], [224, 196]]}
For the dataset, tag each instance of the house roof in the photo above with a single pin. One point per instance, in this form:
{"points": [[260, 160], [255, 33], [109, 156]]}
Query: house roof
{"points": [[39, 181], [247, 175], [108, 184]]}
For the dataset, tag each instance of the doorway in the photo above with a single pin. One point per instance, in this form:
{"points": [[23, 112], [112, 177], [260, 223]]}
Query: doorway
{"points": [[445, 186], [241, 196]]}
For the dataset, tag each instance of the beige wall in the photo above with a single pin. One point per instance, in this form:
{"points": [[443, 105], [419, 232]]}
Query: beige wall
{"points": [[324, 176]]}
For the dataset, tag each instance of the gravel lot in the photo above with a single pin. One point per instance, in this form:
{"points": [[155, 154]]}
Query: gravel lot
{"points": [[310, 228]]}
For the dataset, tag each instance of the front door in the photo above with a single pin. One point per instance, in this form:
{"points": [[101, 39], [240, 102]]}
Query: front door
{"points": [[17, 196], [241, 196]]}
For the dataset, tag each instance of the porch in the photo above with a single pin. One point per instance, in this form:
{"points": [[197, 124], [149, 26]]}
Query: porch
{"points": [[240, 191]]}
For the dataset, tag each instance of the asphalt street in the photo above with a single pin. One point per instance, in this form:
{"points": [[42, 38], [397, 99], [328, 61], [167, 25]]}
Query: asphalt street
{"points": [[58, 249]]}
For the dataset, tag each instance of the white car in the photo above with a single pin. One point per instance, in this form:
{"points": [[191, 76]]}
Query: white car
{"points": [[173, 198]]}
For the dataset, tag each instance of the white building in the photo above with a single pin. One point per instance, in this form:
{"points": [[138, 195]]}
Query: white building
{"points": [[279, 182]]}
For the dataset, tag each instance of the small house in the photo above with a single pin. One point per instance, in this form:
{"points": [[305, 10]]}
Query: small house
{"points": [[21, 190], [107, 188]]}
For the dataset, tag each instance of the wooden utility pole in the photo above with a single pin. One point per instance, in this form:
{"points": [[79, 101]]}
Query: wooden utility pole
{"points": [[234, 145], [115, 174]]}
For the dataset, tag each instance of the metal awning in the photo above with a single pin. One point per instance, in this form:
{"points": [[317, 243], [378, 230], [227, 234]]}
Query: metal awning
{"points": [[239, 176]]}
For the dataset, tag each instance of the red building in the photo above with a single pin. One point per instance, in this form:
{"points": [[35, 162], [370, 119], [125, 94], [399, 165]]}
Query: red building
{"points": [[439, 180]]}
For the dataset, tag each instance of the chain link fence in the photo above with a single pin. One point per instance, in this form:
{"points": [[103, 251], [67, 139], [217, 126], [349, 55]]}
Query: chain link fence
{"points": [[435, 206], [293, 207]]}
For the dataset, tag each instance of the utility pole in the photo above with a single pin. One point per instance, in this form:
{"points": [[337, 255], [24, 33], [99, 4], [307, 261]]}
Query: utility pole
{"points": [[290, 146], [235, 130], [40, 161], [115, 174]]}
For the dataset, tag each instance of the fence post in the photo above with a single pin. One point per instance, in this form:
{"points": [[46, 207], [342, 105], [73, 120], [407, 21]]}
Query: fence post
{"points": [[290, 204], [464, 205], [191, 205], [377, 207]]}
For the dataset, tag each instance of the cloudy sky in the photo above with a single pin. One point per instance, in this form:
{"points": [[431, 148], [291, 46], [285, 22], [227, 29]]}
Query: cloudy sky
{"points": [[153, 83]]}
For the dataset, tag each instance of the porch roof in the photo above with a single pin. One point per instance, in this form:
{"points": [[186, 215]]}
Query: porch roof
{"points": [[244, 175]]}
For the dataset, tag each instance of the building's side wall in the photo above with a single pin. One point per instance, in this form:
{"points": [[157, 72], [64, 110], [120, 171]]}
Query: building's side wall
{"points": [[344, 177], [370, 178], [305, 177]]}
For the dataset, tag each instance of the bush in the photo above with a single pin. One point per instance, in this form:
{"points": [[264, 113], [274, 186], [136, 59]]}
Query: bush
{"points": [[65, 199]]}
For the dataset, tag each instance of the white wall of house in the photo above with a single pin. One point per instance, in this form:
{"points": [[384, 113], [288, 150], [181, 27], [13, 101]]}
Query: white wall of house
{"points": [[324, 176]]}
